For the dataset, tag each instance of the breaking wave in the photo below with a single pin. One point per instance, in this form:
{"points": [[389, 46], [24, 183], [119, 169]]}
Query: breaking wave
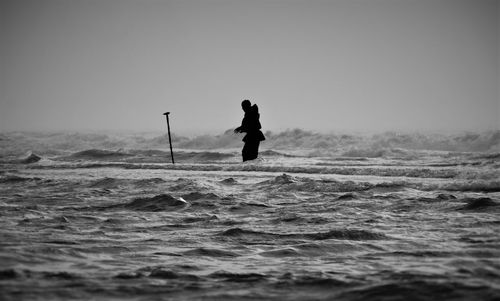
{"points": [[359, 145], [31, 158], [145, 156], [99, 154], [389, 144]]}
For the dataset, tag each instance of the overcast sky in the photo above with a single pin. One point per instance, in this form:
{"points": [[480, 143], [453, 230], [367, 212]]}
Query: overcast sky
{"points": [[320, 65]]}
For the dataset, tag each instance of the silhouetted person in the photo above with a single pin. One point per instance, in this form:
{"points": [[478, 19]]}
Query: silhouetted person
{"points": [[250, 125]]}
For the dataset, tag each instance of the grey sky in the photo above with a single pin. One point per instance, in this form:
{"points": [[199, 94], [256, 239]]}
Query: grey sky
{"points": [[321, 65]]}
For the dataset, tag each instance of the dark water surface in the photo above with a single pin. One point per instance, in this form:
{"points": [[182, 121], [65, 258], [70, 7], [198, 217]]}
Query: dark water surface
{"points": [[98, 226]]}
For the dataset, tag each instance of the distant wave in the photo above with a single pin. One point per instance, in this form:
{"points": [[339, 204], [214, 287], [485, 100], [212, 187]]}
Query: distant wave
{"points": [[30, 158], [27, 158], [389, 144], [358, 145], [144, 156], [339, 170], [99, 154]]}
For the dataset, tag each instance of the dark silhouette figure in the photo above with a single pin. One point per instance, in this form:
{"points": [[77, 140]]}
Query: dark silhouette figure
{"points": [[250, 125]]}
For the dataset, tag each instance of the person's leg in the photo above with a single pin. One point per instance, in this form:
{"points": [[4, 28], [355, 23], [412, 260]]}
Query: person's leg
{"points": [[250, 150], [255, 150], [246, 152]]}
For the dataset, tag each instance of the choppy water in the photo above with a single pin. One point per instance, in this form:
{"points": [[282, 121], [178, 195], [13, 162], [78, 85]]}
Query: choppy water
{"points": [[122, 225]]}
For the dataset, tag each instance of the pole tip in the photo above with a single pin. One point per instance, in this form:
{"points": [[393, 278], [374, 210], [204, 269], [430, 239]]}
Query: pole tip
{"points": [[166, 113]]}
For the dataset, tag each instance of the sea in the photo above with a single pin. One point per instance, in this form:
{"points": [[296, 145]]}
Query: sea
{"points": [[338, 216]]}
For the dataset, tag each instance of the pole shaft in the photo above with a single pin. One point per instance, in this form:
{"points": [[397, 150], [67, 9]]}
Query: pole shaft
{"points": [[170, 140]]}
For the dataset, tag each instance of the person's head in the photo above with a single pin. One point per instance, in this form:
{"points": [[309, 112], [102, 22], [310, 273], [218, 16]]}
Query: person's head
{"points": [[246, 105]]}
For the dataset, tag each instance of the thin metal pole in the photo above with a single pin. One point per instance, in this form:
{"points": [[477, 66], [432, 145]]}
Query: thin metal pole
{"points": [[169, 138]]}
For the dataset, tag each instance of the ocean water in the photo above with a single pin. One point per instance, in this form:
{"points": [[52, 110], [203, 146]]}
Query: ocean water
{"points": [[387, 217]]}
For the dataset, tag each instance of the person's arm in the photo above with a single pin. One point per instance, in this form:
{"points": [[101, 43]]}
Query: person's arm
{"points": [[243, 127]]}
